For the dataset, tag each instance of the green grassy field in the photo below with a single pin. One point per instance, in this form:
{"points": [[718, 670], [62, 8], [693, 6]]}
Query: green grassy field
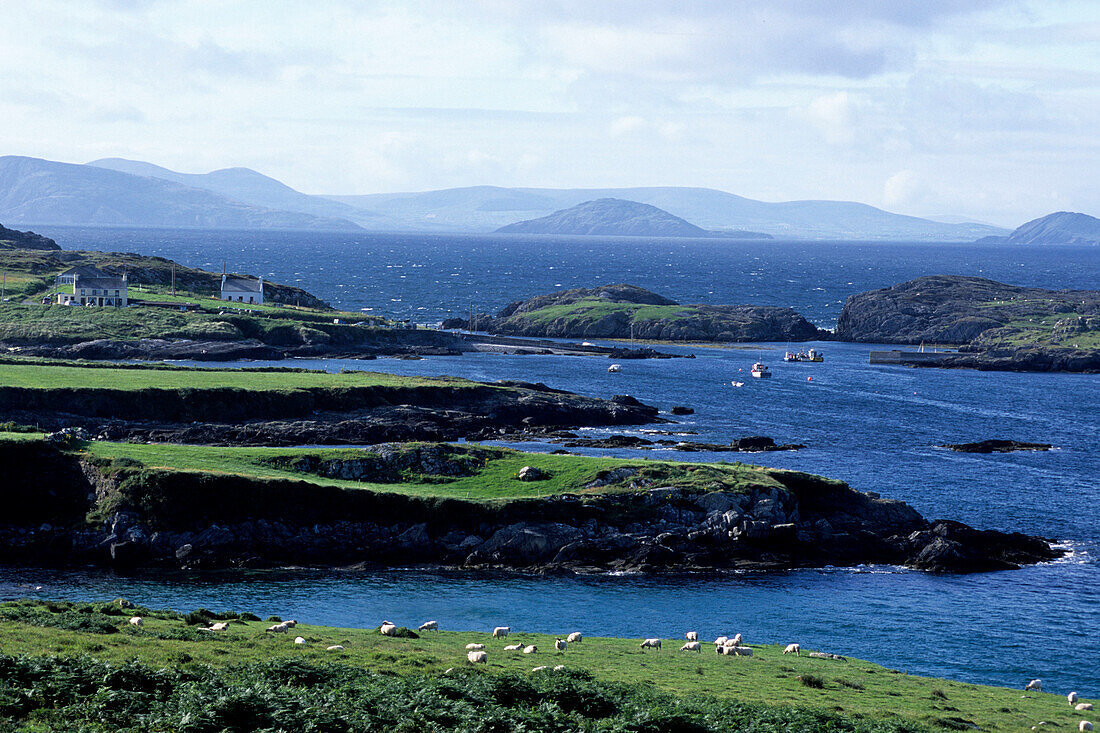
{"points": [[497, 477], [855, 689], [595, 309], [61, 376]]}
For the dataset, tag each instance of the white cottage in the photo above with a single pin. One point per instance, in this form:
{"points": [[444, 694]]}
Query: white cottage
{"points": [[240, 290], [102, 291]]}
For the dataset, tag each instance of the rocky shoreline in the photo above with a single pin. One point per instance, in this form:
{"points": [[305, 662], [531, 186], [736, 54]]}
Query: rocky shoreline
{"points": [[198, 521]]}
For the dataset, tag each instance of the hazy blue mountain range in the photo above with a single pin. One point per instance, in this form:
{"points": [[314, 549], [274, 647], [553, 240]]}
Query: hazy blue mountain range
{"points": [[1061, 227], [35, 191], [486, 208], [613, 217], [116, 192]]}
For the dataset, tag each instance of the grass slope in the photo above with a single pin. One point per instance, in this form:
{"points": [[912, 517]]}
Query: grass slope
{"points": [[664, 690]]}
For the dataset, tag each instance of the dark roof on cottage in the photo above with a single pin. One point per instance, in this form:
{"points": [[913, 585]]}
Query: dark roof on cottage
{"points": [[84, 271], [104, 283], [241, 285]]}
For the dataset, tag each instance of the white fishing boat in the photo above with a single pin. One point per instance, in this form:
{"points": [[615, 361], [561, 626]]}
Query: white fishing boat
{"points": [[615, 368], [760, 371]]}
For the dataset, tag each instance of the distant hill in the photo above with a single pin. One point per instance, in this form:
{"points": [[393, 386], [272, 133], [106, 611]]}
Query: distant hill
{"points": [[613, 217], [46, 192], [247, 186], [487, 208], [12, 239], [1061, 227]]}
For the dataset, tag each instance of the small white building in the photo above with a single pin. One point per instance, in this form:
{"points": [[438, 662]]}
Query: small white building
{"points": [[101, 291], [240, 290]]}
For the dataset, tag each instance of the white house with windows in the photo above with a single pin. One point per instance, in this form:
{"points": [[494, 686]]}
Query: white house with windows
{"points": [[241, 290], [101, 291]]}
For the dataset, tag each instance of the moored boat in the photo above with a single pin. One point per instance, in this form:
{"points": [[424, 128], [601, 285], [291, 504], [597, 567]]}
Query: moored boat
{"points": [[760, 371]]}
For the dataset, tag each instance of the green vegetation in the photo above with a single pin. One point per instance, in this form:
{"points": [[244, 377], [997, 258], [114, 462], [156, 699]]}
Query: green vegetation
{"points": [[494, 470], [593, 309], [67, 666], [56, 376]]}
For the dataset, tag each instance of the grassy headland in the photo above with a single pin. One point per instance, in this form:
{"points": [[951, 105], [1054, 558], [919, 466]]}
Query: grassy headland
{"points": [[68, 665]]}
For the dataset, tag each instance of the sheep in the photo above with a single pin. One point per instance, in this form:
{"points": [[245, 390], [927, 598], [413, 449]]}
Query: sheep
{"points": [[475, 647], [794, 649], [299, 640], [477, 657], [540, 668], [1072, 697], [731, 643], [719, 650], [387, 628], [220, 626], [692, 636], [1084, 725], [336, 648], [651, 644], [1036, 685], [574, 638], [429, 626], [1083, 706], [737, 641], [277, 628], [137, 621], [292, 623], [501, 631], [513, 647], [739, 651], [721, 640], [692, 646], [559, 667], [560, 644], [532, 649]]}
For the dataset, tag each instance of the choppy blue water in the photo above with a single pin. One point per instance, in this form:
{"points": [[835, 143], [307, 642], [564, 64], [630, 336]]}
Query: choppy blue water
{"points": [[873, 426]]}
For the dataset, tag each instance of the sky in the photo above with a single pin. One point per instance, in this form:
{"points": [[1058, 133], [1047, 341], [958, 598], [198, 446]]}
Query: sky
{"points": [[984, 109]]}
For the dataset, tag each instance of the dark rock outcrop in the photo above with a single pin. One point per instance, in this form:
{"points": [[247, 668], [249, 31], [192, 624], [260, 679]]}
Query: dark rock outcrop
{"points": [[205, 521], [14, 239], [995, 446]]}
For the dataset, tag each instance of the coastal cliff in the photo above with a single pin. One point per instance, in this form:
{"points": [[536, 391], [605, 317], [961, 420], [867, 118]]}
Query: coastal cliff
{"points": [[637, 517], [625, 311], [14, 239]]}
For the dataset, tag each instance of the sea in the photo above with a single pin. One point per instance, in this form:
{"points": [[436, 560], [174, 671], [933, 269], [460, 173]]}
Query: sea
{"points": [[878, 428]]}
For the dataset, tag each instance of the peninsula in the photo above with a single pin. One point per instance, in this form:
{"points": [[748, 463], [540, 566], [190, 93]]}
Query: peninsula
{"points": [[1061, 227], [996, 326], [623, 311]]}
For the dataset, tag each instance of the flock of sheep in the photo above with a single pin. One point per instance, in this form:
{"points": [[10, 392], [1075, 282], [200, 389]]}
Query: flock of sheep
{"points": [[730, 646], [1084, 725]]}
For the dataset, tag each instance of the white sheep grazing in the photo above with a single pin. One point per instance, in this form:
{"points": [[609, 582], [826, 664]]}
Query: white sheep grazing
{"points": [[574, 638], [475, 647], [299, 640], [559, 667], [651, 644], [336, 648], [692, 636], [737, 641], [292, 623], [560, 644], [739, 651], [1083, 706], [1084, 725], [720, 650], [692, 646], [721, 640], [1072, 697], [540, 668], [501, 631], [277, 628], [477, 657], [793, 649], [387, 629], [220, 626], [1036, 685], [429, 626], [513, 647], [532, 649], [136, 621]]}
